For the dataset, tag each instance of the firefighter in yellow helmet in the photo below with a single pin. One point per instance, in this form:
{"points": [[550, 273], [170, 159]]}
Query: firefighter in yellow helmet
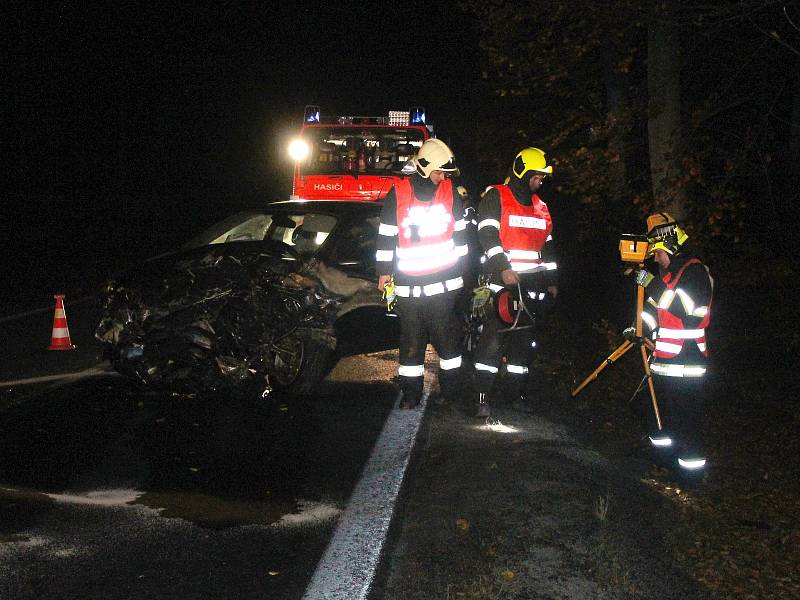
{"points": [[677, 313], [422, 244], [514, 229]]}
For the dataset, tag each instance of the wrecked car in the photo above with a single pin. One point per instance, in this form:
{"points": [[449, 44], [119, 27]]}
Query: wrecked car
{"points": [[266, 299]]}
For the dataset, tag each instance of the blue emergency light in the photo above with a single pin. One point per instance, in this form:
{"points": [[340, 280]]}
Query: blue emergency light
{"points": [[417, 115], [311, 114]]}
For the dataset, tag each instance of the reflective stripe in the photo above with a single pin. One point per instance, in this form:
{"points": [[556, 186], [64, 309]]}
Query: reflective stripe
{"points": [[411, 370], [686, 300], [524, 267], [535, 296], [516, 369], [678, 370], [652, 302], [549, 238], [524, 254], [667, 347], [384, 255], [661, 442], [649, 319], [489, 223], [692, 464], [407, 291], [447, 364], [526, 222], [428, 263], [702, 346], [432, 289], [460, 225], [666, 299], [681, 334], [60, 332], [700, 311], [388, 230], [429, 250], [495, 287], [462, 250], [454, 284], [493, 251], [487, 368]]}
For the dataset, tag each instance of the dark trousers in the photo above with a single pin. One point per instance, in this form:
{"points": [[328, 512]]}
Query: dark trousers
{"points": [[681, 402], [429, 319], [517, 346]]}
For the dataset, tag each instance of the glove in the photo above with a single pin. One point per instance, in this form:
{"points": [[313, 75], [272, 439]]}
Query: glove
{"points": [[481, 298], [629, 333], [644, 277]]}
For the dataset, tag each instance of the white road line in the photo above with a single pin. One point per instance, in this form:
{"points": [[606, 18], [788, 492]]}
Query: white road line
{"points": [[347, 569], [99, 369]]}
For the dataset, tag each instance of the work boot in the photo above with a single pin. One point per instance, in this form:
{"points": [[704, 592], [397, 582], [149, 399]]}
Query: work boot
{"points": [[483, 406]]}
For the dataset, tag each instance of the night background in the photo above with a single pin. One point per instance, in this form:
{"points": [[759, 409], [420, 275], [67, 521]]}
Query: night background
{"points": [[130, 128]]}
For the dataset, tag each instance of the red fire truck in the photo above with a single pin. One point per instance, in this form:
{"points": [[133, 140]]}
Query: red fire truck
{"points": [[354, 157]]}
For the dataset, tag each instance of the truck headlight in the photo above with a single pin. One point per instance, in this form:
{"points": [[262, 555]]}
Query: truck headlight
{"points": [[298, 150]]}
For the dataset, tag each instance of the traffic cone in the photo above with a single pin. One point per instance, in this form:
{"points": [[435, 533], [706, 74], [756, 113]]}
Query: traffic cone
{"points": [[60, 339]]}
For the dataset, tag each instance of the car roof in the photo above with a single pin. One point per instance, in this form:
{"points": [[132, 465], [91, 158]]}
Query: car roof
{"points": [[327, 206]]}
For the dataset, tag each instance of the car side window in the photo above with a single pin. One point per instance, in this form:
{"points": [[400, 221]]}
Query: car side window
{"points": [[354, 249]]}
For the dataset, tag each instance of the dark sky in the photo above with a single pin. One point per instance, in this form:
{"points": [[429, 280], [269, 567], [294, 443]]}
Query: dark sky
{"points": [[133, 126]]}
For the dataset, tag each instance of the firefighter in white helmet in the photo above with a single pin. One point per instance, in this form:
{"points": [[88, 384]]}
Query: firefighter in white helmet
{"points": [[677, 312], [422, 246], [514, 228]]}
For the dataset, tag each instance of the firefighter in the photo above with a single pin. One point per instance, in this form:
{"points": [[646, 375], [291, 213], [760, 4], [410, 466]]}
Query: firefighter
{"points": [[677, 312], [422, 246], [514, 228]]}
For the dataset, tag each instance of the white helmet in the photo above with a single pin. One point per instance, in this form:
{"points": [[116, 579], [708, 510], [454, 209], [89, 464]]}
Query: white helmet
{"points": [[434, 155]]}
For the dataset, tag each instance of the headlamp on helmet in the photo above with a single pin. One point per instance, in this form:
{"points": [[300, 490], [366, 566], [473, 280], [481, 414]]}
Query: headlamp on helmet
{"points": [[530, 159], [434, 155], [663, 233]]}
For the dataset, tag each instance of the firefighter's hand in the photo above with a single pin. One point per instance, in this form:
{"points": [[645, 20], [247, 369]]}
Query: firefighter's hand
{"points": [[629, 333], [509, 277], [644, 277], [382, 281], [553, 291]]}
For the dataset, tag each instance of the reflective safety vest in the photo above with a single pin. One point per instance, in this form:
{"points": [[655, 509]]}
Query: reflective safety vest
{"points": [[425, 242], [523, 231], [673, 338]]}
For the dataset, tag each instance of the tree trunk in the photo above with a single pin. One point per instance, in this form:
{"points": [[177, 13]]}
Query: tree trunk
{"points": [[664, 109], [617, 122]]}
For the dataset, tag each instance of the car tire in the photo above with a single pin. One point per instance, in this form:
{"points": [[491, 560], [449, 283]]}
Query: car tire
{"points": [[301, 361]]}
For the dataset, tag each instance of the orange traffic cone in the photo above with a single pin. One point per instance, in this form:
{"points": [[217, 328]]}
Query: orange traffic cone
{"points": [[60, 339]]}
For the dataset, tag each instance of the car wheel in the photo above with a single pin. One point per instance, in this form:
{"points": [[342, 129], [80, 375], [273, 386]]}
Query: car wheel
{"points": [[300, 361]]}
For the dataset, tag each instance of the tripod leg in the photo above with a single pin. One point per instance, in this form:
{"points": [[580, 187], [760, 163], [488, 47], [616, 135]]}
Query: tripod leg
{"points": [[621, 349], [649, 376]]}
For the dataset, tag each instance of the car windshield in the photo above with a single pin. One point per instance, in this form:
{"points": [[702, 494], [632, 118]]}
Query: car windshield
{"points": [[366, 150], [306, 232]]}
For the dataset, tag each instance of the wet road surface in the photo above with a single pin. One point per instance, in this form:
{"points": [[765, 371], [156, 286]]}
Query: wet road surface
{"points": [[109, 493]]}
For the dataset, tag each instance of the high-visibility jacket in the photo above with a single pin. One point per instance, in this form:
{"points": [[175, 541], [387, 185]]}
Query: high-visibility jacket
{"points": [[425, 242], [422, 241], [523, 231], [682, 314]]}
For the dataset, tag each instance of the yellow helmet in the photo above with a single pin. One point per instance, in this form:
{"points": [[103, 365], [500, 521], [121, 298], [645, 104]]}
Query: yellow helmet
{"points": [[663, 233], [530, 159], [434, 155]]}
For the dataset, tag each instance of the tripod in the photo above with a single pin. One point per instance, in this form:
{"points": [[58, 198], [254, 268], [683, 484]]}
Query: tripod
{"points": [[623, 348]]}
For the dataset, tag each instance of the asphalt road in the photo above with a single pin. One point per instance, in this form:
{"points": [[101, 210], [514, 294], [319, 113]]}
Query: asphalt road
{"points": [[106, 492]]}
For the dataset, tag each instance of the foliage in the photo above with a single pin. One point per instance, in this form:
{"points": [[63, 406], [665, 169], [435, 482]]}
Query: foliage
{"points": [[573, 81]]}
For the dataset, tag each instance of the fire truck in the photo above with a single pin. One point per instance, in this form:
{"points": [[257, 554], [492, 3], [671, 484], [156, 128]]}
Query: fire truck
{"points": [[354, 157]]}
